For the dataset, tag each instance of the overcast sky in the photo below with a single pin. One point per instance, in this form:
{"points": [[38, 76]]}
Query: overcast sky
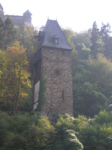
{"points": [[77, 15]]}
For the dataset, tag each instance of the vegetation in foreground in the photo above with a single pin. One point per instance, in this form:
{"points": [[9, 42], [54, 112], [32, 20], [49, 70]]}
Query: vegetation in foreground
{"points": [[35, 132]]}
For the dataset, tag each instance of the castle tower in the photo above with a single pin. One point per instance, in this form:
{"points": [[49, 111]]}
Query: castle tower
{"points": [[27, 17], [1, 12], [53, 66]]}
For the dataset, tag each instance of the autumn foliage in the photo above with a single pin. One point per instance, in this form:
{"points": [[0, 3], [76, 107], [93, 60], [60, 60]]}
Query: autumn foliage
{"points": [[15, 76]]}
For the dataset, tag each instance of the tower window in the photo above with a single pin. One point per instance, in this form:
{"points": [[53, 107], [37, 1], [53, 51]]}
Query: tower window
{"points": [[62, 95], [51, 51], [56, 40]]}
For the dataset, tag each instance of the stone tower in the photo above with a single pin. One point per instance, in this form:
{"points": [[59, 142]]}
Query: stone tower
{"points": [[27, 17], [1, 12], [53, 65]]}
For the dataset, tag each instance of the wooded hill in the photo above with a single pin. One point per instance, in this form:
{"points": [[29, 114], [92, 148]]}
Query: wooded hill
{"points": [[92, 92]]}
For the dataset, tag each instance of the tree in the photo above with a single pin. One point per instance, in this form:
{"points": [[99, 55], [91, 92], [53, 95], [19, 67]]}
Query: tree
{"points": [[2, 34], [2, 72], [107, 39], [69, 34], [16, 77], [88, 101], [65, 135], [94, 40], [25, 35], [100, 72], [40, 136], [10, 32], [92, 85], [82, 44], [71, 141]]}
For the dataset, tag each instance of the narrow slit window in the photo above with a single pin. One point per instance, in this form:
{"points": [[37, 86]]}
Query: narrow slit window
{"points": [[62, 95]]}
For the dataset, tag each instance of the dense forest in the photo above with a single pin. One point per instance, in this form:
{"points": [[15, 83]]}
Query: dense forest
{"points": [[91, 126]]}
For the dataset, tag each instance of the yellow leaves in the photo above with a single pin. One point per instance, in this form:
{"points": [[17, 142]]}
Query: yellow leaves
{"points": [[24, 95], [101, 61], [2, 60], [16, 79], [16, 43]]}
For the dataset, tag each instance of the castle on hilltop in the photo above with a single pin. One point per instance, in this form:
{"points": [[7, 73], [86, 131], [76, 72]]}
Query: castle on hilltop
{"points": [[17, 20], [53, 73]]}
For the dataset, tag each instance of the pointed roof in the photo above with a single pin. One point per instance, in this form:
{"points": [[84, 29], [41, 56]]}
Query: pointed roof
{"points": [[1, 6], [51, 31], [27, 12]]}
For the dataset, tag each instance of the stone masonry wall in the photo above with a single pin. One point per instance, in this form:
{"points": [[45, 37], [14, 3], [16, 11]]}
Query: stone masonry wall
{"points": [[57, 72]]}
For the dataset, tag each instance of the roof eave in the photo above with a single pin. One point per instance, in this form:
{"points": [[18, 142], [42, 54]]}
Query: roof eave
{"points": [[55, 47]]}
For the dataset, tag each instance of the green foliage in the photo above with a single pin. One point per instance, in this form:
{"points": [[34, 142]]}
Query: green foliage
{"points": [[104, 117], [16, 143], [92, 85], [69, 34], [2, 34], [96, 137], [71, 142], [25, 131], [7, 33], [65, 122], [91, 71], [40, 136], [25, 35], [107, 40], [3, 132], [2, 70], [88, 101], [82, 44], [10, 32], [65, 137], [94, 40], [31, 132], [26, 105], [80, 122], [100, 72]]}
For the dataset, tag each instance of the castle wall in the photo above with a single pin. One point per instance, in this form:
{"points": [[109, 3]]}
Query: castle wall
{"points": [[57, 72], [17, 20]]}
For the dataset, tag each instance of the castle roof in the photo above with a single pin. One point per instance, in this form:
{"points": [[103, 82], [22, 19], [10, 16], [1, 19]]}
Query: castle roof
{"points": [[1, 6], [27, 12], [52, 32]]}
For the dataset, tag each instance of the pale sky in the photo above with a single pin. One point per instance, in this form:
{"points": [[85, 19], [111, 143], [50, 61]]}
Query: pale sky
{"points": [[77, 15]]}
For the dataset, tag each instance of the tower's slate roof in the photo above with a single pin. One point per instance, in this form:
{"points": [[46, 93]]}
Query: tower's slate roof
{"points": [[27, 12], [1, 6], [52, 30]]}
